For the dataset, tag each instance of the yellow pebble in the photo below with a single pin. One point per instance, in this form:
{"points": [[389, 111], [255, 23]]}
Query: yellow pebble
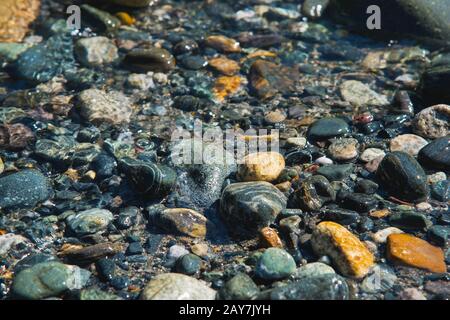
{"points": [[125, 18]]}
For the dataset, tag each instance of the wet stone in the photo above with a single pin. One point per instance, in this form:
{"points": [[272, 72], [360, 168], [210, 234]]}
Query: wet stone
{"points": [[436, 154], [48, 279], [439, 235], [89, 221], [98, 106], [314, 9], [359, 202], [371, 154], [98, 20], [240, 287], [183, 221], [350, 255], [359, 94], [225, 66], [409, 220], [336, 172], [441, 190], [247, 207], [408, 250], [24, 189], [366, 186], [343, 149], [403, 177], [382, 278], [222, 43], [261, 166], [188, 264], [95, 51], [174, 286], [433, 122], [314, 192], [408, 143], [320, 287], [133, 3], [150, 59], [327, 128], [275, 264]]}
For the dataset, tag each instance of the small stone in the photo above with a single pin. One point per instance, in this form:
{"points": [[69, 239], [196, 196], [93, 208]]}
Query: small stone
{"points": [[323, 161], [226, 86], [275, 264], [359, 202], [261, 166], [411, 294], [381, 279], [15, 136], [134, 248], [436, 154], [371, 154], [96, 51], [373, 165], [175, 286], [267, 79], [424, 206], [98, 20], [327, 128], [439, 235], [366, 186], [48, 279], [436, 177], [379, 214], [336, 172], [224, 65], [98, 106], [359, 94], [414, 252], [433, 122], [183, 221], [150, 59], [343, 149], [141, 81], [200, 249], [240, 287], [8, 241], [247, 207], [320, 287], [269, 238], [176, 251], [86, 255], [403, 177], [223, 44], [106, 269], [409, 143], [193, 62], [24, 189], [382, 235], [441, 190], [350, 255], [133, 3], [89, 221], [313, 269], [188, 264], [16, 17], [409, 220], [314, 192], [298, 142]]}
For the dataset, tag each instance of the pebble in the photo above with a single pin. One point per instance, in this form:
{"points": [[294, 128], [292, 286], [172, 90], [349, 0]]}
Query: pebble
{"points": [[8, 241], [320, 287], [433, 122], [409, 220], [436, 177], [359, 202], [141, 81], [327, 128], [200, 249], [439, 235], [371, 154], [323, 161], [403, 177], [247, 207], [359, 94], [183, 221], [336, 172], [176, 251], [24, 189], [133, 3], [89, 221], [275, 264], [154, 59], [106, 269], [441, 190], [381, 279], [436, 154], [269, 238], [89, 254], [223, 44], [415, 252], [267, 79], [48, 279], [313, 269], [314, 192], [99, 106], [16, 17], [15, 136], [382, 213], [261, 166], [188, 264], [175, 286], [408, 143], [411, 294], [344, 149], [98, 20], [366, 186], [224, 65], [226, 86], [299, 142], [350, 255], [95, 51], [240, 287]]}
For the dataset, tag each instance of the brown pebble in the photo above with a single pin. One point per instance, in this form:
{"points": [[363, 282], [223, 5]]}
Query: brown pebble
{"points": [[269, 238]]}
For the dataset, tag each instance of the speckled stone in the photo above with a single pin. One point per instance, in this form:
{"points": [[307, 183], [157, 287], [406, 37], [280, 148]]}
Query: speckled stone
{"points": [[275, 264], [409, 143], [433, 122], [343, 149], [359, 94], [15, 18], [350, 255], [261, 166]]}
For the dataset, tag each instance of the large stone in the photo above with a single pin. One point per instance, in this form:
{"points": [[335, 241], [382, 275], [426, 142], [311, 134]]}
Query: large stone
{"points": [[350, 255], [24, 189], [403, 177], [98, 106], [16, 15], [175, 286], [414, 252], [247, 207], [409, 143]]}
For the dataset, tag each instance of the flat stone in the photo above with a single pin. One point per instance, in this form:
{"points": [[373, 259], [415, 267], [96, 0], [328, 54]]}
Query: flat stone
{"points": [[175, 286], [336, 172], [403, 177], [343, 149], [99, 106], [261, 166], [414, 252], [409, 220], [409, 143], [433, 122], [351, 256], [313, 269], [359, 94], [149, 59], [268, 238]]}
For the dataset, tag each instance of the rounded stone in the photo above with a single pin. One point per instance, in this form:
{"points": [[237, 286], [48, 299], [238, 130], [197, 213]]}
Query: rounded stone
{"points": [[411, 251], [359, 94], [403, 177], [350, 255], [225, 66], [436, 154], [95, 51], [371, 154], [409, 143], [183, 221], [382, 235], [327, 128], [176, 286], [433, 122], [240, 287], [343, 149], [188, 264], [261, 166], [223, 44], [89, 221], [275, 264], [150, 59]]}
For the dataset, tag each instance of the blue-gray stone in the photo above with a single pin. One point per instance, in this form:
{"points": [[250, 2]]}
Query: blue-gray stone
{"points": [[275, 264]]}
